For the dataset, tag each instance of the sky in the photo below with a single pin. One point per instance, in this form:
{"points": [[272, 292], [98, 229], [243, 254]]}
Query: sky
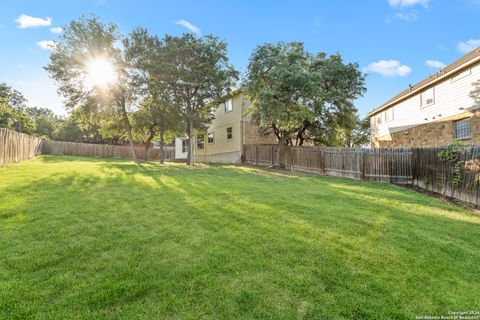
{"points": [[396, 42]]}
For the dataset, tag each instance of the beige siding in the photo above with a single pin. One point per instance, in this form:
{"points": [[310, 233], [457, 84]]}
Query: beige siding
{"points": [[222, 121], [243, 129]]}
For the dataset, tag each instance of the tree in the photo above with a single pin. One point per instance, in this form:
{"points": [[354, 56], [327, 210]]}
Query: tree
{"points": [[157, 113], [194, 75], [69, 130], [12, 114], [46, 122], [90, 69], [294, 93]]}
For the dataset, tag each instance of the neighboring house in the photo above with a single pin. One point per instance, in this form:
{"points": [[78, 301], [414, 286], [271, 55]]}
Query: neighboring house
{"points": [[434, 112], [228, 132]]}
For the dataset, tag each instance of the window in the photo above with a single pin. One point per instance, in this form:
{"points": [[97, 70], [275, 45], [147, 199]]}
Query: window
{"points": [[211, 137], [389, 115], [228, 105], [462, 129], [379, 119], [428, 97], [462, 75], [200, 141], [185, 144], [229, 133]]}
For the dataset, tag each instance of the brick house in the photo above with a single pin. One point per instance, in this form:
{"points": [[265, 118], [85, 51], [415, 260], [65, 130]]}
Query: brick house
{"points": [[228, 132], [440, 109]]}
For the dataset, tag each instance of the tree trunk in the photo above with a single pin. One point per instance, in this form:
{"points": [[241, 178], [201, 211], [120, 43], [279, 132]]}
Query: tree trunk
{"points": [[191, 156], [148, 142], [278, 153], [129, 132], [162, 143]]}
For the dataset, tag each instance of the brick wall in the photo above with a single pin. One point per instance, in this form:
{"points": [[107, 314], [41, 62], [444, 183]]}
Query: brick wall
{"points": [[433, 134], [253, 135]]}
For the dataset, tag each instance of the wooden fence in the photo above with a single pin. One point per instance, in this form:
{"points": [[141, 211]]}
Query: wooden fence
{"points": [[417, 167], [102, 150], [16, 147]]}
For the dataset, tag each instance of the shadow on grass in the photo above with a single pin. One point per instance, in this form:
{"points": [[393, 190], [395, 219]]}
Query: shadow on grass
{"points": [[221, 242]]}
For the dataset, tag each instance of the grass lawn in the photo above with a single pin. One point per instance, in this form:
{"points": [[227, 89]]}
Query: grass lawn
{"points": [[105, 239]]}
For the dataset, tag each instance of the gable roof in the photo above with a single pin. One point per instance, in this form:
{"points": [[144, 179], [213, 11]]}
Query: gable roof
{"points": [[449, 70]]}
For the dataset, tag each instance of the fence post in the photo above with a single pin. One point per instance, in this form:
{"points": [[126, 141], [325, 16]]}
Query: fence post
{"points": [[256, 160], [291, 158], [363, 164], [271, 153]]}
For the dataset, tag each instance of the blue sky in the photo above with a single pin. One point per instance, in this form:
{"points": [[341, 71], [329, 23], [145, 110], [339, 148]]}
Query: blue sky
{"points": [[398, 42]]}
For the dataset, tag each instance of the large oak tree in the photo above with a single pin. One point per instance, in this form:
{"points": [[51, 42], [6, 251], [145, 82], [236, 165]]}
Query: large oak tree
{"points": [[89, 66], [294, 92]]}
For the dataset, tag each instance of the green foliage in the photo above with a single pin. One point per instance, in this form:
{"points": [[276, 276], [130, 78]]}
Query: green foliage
{"points": [[157, 112], [81, 42], [295, 93], [12, 110], [195, 74], [90, 238], [452, 154]]}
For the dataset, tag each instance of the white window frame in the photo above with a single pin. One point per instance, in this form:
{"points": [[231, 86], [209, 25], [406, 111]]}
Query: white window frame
{"points": [[425, 105], [231, 133], [200, 141], [212, 135], [393, 115], [463, 137], [228, 105], [185, 145]]}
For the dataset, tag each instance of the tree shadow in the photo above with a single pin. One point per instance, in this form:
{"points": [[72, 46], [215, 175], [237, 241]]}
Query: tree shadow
{"points": [[232, 242]]}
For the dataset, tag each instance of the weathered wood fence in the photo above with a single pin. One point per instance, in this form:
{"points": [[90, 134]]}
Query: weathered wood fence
{"points": [[102, 150], [16, 147], [416, 167]]}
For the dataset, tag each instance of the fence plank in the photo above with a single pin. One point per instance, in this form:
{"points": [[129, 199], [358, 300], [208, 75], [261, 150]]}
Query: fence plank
{"points": [[103, 151], [16, 147], [421, 168]]}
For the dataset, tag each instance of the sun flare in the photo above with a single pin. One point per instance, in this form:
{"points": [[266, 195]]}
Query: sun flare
{"points": [[100, 72]]}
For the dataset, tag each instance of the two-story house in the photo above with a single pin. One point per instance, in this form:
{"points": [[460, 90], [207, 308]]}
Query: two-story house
{"points": [[440, 109], [228, 132]]}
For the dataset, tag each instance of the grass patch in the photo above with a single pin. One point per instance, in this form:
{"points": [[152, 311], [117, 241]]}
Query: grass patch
{"points": [[105, 239]]}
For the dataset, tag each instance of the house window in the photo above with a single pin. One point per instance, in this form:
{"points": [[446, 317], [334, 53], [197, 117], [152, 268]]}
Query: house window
{"points": [[200, 141], [388, 115], [211, 137], [228, 105], [428, 97], [229, 133], [462, 129], [379, 119], [185, 144]]}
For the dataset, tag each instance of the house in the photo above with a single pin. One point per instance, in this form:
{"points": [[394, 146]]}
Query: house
{"points": [[434, 112], [228, 132]]}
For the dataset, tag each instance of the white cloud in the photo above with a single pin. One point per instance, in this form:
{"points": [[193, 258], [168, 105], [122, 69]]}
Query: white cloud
{"points": [[389, 68], [25, 21], [435, 64], [406, 16], [189, 26], [47, 45], [408, 3], [56, 30], [469, 45]]}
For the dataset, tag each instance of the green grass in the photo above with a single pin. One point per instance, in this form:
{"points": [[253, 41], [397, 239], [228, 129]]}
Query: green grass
{"points": [[104, 239]]}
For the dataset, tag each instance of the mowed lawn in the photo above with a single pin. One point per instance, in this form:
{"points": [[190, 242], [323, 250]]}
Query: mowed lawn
{"points": [[105, 239]]}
